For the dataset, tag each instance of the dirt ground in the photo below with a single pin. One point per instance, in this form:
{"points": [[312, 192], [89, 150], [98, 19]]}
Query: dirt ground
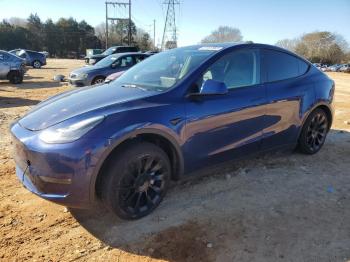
{"points": [[280, 207]]}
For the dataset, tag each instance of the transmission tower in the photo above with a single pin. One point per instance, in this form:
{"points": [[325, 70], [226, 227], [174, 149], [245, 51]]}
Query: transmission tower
{"points": [[169, 39], [108, 18]]}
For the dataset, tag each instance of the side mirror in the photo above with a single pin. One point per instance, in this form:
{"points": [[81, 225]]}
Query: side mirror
{"points": [[213, 87], [113, 66]]}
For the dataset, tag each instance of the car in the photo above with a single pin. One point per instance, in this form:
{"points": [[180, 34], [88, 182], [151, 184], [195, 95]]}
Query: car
{"points": [[11, 67], [93, 59], [345, 68], [96, 74], [113, 76], [45, 53], [335, 68], [177, 112], [32, 58]]}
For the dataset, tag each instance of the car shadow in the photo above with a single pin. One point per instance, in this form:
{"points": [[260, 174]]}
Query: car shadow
{"points": [[34, 84], [9, 102], [28, 77]]}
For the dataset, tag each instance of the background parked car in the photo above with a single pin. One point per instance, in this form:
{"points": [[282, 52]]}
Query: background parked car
{"points": [[110, 51], [11, 67], [113, 76], [335, 68], [96, 74], [32, 58], [345, 68]]}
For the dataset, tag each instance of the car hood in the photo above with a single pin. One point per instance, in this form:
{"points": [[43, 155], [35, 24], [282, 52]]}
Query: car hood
{"points": [[87, 70], [73, 103]]}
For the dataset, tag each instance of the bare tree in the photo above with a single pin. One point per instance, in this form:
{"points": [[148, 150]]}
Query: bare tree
{"points": [[318, 47], [223, 34], [322, 47], [289, 44]]}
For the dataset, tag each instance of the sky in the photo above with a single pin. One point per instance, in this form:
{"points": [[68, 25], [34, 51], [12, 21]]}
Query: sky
{"points": [[261, 21]]}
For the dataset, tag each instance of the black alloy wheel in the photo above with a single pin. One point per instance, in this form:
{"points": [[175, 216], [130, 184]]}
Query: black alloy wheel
{"points": [[314, 132], [137, 181]]}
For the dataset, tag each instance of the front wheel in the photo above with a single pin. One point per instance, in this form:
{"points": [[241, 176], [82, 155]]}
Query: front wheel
{"points": [[136, 181], [98, 80], [36, 64], [15, 77], [314, 132]]}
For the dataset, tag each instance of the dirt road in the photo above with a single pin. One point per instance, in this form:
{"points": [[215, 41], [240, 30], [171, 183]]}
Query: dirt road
{"points": [[280, 207]]}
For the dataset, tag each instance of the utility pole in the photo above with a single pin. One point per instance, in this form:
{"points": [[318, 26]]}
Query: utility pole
{"points": [[154, 34], [169, 39], [129, 35], [106, 25], [118, 19]]}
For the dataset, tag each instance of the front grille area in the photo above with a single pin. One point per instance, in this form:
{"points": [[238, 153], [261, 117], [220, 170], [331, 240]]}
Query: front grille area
{"points": [[73, 75]]}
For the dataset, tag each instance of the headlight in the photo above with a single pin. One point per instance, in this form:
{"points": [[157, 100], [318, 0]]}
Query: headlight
{"points": [[69, 132], [82, 76], [92, 61]]}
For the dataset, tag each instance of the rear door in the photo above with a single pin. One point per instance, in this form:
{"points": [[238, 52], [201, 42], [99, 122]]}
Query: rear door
{"points": [[287, 88], [222, 127]]}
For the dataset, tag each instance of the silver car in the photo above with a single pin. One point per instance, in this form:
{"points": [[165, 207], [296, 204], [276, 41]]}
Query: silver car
{"points": [[11, 67]]}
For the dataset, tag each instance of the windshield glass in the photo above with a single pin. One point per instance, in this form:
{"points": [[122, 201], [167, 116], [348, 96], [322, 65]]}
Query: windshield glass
{"points": [[109, 51], [107, 61], [162, 71]]}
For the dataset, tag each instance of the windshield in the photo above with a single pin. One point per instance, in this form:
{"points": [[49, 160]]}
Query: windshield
{"points": [[107, 61], [162, 71], [109, 51]]}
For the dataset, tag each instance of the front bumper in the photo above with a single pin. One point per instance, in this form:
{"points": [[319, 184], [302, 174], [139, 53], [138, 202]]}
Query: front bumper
{"points": [[79, 82], [60, 173]]}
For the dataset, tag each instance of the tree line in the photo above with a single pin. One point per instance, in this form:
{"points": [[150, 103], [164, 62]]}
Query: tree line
{"points": [[65, 37], [317, 47]]}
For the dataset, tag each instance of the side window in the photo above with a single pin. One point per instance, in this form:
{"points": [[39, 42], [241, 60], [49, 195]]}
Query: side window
{"points": [[125, 61], [138, 59], [3, 57], [237, 69], [303, 67], [280, 66]]}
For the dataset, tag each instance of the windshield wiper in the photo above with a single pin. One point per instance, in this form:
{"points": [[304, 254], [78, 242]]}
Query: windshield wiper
{"points": [[133, 86]]}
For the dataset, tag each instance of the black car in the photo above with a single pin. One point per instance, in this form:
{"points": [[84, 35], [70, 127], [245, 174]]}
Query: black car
{"points": [[110, 51]]}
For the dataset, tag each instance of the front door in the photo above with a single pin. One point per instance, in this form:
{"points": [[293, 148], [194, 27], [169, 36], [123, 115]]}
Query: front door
{"points": [[222, 127]]}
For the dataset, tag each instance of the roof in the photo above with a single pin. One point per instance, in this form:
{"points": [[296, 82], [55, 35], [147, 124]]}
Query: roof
{"points": [[128, 53]]}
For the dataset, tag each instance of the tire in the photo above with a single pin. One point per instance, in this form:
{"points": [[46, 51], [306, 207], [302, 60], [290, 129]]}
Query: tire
{"points": [[136, 181], [15, 77], [37, 64], [98, 80], [314, 132]]}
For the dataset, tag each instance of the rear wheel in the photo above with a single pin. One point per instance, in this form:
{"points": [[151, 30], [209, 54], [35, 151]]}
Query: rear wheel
{"points": [[15, 77], [37, 64], [136, 182], [98, 80], [314, 132]]}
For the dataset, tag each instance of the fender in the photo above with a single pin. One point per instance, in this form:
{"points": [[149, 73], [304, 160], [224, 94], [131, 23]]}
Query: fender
{"points": [[306, 115], [164, 132]]}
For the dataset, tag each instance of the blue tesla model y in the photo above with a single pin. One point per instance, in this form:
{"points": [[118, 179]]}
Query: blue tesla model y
{"points": [[174, 113]]}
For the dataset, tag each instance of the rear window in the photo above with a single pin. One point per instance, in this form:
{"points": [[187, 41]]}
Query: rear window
{"points": [[280, 66], [126, 49]]}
